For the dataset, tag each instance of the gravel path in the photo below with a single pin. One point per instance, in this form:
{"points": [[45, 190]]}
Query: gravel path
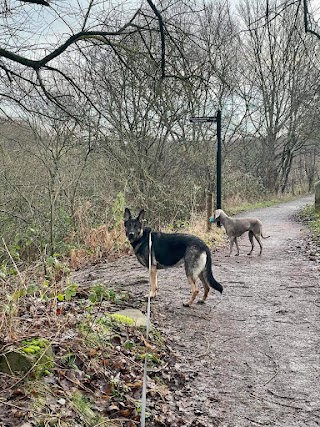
{"points": [[251, 356]]}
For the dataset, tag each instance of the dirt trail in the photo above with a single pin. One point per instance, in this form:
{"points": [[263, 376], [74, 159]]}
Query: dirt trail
{"points": [[252, 354]]}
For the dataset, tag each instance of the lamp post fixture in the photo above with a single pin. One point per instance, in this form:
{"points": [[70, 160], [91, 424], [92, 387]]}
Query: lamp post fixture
{"points": [[214, 119]]}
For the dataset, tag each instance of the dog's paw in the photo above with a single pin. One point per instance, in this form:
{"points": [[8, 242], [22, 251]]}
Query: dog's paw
{"points": [[186, 304], [200, 301], [152, 296]]}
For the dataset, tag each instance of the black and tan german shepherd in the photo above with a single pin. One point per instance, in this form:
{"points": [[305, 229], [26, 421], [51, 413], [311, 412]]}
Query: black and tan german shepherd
{"points": [[168, 250]]}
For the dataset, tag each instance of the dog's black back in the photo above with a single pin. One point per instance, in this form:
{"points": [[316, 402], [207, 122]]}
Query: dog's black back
{"points": [[167, 249]]}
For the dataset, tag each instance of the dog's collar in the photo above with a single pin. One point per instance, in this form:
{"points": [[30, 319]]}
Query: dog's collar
{"points": [[142, 240]]}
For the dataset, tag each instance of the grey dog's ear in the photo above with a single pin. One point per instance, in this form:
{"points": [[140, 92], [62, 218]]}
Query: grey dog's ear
{"points": [[127, 214], [141, 215], [217, 213]]}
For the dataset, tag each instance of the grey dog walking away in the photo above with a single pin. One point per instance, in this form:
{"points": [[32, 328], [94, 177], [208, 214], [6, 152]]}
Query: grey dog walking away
{"points": [[235, 227]]}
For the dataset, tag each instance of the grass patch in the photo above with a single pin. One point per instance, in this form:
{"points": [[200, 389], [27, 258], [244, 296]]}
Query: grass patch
{"points": [[312, 220], [233, 209], [87, 412]]}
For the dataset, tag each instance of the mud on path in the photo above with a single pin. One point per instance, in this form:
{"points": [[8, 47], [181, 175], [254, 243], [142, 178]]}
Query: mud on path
{"points": [[252, 354]]}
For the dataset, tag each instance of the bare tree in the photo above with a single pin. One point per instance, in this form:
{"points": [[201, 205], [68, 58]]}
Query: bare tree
{"points": [[283, 80], [310, 10], [40, 65], [43, 166]]}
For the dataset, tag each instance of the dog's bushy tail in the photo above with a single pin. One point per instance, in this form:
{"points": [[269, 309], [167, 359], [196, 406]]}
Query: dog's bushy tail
{"points": [[209, 276]]}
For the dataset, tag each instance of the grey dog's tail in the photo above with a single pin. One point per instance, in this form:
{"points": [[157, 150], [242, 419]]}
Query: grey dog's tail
{"points": [[264, 237], [208, 273]]}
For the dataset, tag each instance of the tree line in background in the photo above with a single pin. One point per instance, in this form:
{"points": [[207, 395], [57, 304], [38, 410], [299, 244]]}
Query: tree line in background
{"points": [[99, 126]]}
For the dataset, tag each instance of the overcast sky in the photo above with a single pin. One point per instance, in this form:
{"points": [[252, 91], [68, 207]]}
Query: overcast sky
{"points": [[44, 26]]}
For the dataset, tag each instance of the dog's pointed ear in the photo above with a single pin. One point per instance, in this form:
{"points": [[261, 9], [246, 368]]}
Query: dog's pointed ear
{"points": [[127, 214], [141, 215]]}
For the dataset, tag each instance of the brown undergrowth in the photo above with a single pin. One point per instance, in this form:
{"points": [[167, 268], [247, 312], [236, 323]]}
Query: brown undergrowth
{"points": [[96, 378], [109, 241], [98, 244]]}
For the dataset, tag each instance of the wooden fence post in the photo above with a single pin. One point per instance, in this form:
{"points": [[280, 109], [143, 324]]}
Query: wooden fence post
{"points": [[317, 196], [209, 209]]}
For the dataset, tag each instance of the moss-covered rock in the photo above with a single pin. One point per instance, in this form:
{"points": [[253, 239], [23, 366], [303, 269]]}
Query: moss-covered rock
{"points": [[34, 355], [131, 317]]}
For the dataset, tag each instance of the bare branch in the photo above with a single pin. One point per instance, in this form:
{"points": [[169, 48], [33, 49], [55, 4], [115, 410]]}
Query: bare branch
{"points": [[162, 36], [41, 2], [306, 20], [82, 35]]}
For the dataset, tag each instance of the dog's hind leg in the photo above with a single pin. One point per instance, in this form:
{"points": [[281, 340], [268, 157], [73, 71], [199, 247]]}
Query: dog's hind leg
{"points": [[236, 242], [251, 241], [194, 291], [194, 263], [206, 288], [258, 239]]}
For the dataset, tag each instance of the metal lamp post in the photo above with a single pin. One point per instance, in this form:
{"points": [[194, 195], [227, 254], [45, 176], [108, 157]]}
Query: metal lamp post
{"points": [[214, 119]]}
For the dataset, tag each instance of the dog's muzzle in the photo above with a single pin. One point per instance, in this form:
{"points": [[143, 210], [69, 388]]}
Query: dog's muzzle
{"points": [[131, 236]]}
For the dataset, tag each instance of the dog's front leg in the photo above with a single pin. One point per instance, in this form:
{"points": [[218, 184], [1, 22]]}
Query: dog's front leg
{"points": [[153, 281], [232, 239]]}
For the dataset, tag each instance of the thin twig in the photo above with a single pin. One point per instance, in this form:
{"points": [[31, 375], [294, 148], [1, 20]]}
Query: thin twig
{"points": [[207, 350], [276, 371], [14, 264]]}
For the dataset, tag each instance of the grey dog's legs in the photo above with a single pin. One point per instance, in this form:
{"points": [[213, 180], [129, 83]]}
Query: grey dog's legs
{"points": [[236, 242], [258, 239], [251, 241], [232, 239]]}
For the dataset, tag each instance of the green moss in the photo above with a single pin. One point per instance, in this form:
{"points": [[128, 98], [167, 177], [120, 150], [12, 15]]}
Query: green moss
{"points": [[35, 345], [41, 350], [34, 356], [122, 319], [102, 331]]}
